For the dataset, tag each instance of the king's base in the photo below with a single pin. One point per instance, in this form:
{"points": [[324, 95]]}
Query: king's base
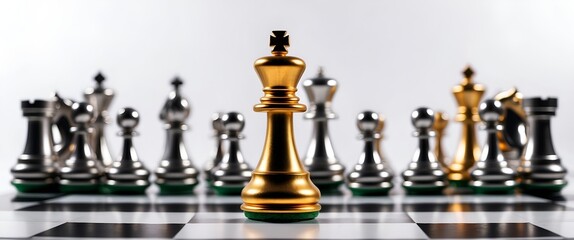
{"points": [[227, 191], [281, 217], [123, 190], [36, 187], [494, 190], [541, 188], [80, 188], [458, 183], [424, 190], [370, 191], [176, 189]]}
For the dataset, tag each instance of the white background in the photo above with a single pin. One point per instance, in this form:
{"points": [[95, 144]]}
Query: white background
{"points": [[388, 56]]}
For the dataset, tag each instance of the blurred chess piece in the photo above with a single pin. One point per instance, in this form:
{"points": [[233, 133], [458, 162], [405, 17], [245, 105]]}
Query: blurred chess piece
{"points": [[232, 173], [100, 98], [370, 176], [35, 169], [81, 173], [541, 169], [280, 189], [467, 95], [378, 144], [219, 151], [424, 174], [512, 138], [491, 173], [127, 174], [327, 173], [439, 127], [62, 127], [176, 172]]}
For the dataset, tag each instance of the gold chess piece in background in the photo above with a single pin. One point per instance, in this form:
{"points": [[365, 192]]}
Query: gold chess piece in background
{"points": [[439, 126], [280, 189], [467, 95]]}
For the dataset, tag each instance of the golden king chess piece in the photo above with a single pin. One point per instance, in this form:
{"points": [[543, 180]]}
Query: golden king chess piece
{"points": [[467, 95], [280, 189], [439, 126]]}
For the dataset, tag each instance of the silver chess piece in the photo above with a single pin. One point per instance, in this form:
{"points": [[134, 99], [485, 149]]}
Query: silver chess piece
{"points": [[81, 172], [327, 173], [100, 98], [176, 172], [35, 170], [370, 176], [127, 174], [424, 174], [218, 129], [232, 173], [491, 174], [62, 130], [541, 169]]}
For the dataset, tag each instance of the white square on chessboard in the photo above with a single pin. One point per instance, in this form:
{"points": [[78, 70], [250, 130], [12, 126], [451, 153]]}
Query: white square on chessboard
{"points": [[36, 216], [301, 231], [24, 229], [565, 229], [133, 217], [466, 217], [547, 216]]}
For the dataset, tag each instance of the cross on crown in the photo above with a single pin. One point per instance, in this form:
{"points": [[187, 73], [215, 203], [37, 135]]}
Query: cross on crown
{"points": [[279, 40], [176, 83]]}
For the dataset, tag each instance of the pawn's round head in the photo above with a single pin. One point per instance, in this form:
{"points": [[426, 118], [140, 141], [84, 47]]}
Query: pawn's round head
{"points": [[82, 112], [490, 110], [422, 117], [128, 118], [233, 121], [216, 121], [368, 121]]}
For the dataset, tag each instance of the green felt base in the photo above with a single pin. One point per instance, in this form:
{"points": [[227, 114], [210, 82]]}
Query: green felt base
{"points": [[36, 188], [281, 217], [424, 190], [127, 190], [227, 191], [502, 190], [458, 183], [92, 188], [328, 187], [370, 191], [542, 188], [166, 189]]}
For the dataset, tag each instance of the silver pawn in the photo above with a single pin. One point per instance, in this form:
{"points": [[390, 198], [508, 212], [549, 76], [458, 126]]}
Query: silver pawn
{"points": [[81, 172], [176, 173], [424, 174], [100, 98], [217, 125], [321, 161], [370, 176], [35, 171], [541, 170], [127, 174], [232, 173], [491, 173]]}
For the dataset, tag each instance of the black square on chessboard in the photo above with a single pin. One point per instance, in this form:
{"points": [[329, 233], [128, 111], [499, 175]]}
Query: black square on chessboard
{"points": [[484, 230], [113, 230]]}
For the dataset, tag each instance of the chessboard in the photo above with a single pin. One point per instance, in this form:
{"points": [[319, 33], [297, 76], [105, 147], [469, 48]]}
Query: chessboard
{"points": [[343, 216]]}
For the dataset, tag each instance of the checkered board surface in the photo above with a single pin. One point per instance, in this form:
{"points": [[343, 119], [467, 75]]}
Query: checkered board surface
{"points": [[205, 216]]}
